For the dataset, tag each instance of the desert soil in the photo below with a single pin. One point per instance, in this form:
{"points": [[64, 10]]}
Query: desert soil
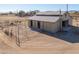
{"points": [[34, 41]]}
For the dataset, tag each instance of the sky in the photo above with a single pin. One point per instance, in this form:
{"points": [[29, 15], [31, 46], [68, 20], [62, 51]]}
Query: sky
{"points": [[41, 7]]}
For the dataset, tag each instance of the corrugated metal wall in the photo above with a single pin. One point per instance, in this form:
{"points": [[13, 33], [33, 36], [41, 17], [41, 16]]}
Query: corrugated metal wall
{"points": [[51, 27], [47, 26]]}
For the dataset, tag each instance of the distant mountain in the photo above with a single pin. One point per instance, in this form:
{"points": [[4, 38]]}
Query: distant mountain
{"points": [[73, 11]]}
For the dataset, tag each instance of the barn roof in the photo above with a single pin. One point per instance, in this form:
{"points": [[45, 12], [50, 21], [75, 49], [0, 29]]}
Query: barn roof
{"points": [[45, 18], [49, 16], [51, 13]]}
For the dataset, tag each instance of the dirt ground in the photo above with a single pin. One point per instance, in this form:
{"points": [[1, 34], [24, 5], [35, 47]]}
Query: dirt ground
{"points": [[32, 41]]}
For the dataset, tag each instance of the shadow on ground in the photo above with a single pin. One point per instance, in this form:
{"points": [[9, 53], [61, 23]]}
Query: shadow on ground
{"points": [[69, 36]]}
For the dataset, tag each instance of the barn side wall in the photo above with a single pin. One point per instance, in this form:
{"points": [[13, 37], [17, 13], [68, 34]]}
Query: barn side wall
{"points": [[34, 24], [67, 17], [47, 26], [50, 27]]}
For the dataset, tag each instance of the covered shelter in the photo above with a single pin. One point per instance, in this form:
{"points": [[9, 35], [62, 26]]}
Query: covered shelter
{"points": [[50, 21]]}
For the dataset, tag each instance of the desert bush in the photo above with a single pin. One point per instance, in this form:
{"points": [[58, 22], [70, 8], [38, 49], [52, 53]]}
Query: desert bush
{"points": [[21, 13], [6, 32]]}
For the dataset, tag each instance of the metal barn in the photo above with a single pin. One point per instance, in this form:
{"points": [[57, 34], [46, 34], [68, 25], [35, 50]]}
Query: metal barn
{"points": [[52, 21]]}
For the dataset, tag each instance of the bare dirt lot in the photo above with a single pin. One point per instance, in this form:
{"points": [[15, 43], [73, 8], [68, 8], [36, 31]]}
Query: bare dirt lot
{"points": [[32, 41]]}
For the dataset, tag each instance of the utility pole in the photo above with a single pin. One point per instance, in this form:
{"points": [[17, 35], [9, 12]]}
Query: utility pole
{"points": [[67, 8]]}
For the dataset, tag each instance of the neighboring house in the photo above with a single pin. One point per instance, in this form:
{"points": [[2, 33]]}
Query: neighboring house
{"points": [[75, 20], [50, 21]]}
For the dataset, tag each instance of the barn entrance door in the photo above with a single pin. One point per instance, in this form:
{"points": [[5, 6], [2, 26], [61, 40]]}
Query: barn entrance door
{"points": [[38, 24], [65, 25], [31, 23]]}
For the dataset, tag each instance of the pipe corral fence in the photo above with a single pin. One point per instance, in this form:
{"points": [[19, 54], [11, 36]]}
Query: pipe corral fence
{"points": [[16, 30]]}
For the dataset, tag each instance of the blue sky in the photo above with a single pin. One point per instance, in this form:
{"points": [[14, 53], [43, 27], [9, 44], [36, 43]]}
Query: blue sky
{"points": [[41, 7]]}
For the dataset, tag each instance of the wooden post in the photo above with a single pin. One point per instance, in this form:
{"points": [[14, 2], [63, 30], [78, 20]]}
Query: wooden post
{"points": [[18, 39], [60, 21], [11, 34], [9, 28], [2, 24], [26, 30]]}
